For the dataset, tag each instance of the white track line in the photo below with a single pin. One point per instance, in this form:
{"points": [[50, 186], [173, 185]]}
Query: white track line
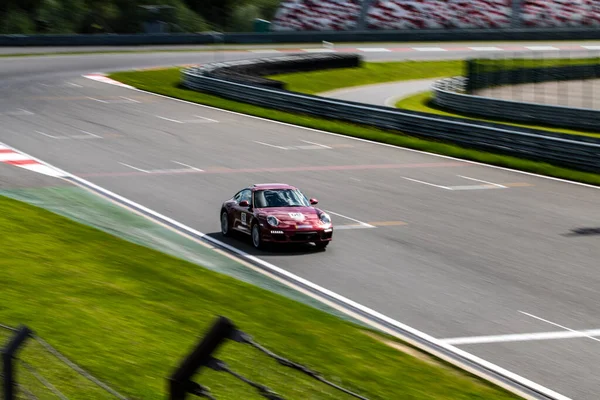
{"points": [[427, 183], [479, 180], [521, 337], [132, 167], [485, 48], [169, 119], [351, 219], [52, 136], [560, 326], [293, 280], [189, 166], [316, 144], [541, 48], [428, 49], [271, 145]]}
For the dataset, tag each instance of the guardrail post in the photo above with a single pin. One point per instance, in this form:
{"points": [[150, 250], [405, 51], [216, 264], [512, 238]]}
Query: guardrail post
{"points": [[8, 355], [179, 383]]}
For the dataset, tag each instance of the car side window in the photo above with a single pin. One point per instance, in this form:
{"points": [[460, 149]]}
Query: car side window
{"points": [[237, 197], [246, 195]]}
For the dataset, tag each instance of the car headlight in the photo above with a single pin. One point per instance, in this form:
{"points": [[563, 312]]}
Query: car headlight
{"points": [[273, 221], [325, 218]]}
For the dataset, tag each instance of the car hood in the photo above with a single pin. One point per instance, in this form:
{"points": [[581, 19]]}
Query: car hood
{"points": [[297, 215]]}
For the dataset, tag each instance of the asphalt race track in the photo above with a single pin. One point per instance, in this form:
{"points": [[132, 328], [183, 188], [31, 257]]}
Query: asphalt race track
{"points": [[458, 250]]}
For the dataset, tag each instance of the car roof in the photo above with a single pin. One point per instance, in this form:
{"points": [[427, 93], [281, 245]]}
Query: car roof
{"points": [[261, 186]]}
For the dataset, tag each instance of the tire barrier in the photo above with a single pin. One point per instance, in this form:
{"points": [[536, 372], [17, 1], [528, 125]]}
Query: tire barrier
{"points": [[252, 72], [577, 152]]}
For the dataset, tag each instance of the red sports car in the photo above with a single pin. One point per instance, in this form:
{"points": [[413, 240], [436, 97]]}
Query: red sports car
{"points": [[276, 213]]}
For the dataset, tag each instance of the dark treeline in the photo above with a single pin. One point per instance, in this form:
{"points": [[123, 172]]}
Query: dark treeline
{"points": [[126, 16]]}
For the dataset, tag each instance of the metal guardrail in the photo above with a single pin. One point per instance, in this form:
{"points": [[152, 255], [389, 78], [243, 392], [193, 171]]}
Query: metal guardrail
{"points": [[407, 35], [448, 96], [577, 152]]}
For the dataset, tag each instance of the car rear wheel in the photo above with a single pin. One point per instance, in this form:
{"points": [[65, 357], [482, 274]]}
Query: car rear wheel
{"points": [[224, 223], [256, 239]]}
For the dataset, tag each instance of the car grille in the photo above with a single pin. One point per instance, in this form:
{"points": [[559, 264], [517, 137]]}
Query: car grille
{"points": [[304, 236]]}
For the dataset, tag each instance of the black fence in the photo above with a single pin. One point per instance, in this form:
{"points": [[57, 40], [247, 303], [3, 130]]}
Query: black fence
{"points": [[484, 73], [181, 382], [26, 360]]}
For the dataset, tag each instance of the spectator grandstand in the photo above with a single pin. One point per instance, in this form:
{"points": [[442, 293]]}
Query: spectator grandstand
{"points": [[337, 15], [548, 13], [317, 15], [439, 14]]}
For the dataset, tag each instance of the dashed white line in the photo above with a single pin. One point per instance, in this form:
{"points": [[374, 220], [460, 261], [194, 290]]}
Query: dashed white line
{"points": [[52, 136], [485, 48], [264, 51], [316, 144], [364, 224], [98, 100], [271, 145], [189, 166], [427, 183], [541, 48], [479, 180], [373, 50], [169, 119], [428, 49], [129, 99], [132, 167]]}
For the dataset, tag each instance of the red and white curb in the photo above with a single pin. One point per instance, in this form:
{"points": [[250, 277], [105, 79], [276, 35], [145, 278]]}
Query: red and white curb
{"points": [[104, 79], [13, 157]]}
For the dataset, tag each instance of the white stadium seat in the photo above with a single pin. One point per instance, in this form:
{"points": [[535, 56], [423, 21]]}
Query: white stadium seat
{"points": [[343, 15]]}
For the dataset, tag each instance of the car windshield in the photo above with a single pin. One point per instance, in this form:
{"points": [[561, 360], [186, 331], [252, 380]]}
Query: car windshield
{"points": [[280, 198]]}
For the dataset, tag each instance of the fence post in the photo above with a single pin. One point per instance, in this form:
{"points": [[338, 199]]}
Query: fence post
{"points": [[179, 382], [8, 355]]}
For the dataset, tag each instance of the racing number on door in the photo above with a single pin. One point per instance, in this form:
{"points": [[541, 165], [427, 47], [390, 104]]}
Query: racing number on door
{"points": [[243, 218]]}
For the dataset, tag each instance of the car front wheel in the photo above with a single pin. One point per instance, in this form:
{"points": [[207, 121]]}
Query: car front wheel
{"points": [[321, 245], [256, 237], [224, 223]]}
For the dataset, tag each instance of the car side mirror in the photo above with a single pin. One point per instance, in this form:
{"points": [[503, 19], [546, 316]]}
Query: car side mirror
{"points": [[244, 203], [314, 201]]}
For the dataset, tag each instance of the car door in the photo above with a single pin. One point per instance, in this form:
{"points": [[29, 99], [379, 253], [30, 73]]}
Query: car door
{"points": [[241, 215]]}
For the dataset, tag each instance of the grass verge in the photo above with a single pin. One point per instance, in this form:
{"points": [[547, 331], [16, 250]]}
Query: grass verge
{"points": [[370, 73], [129, 314], [166, 82], [422, 102]]}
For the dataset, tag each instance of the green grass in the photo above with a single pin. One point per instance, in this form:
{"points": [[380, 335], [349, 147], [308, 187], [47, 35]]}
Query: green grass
{"points": [[501, 64], [370, 73], [129, 314], [422, 102], [167, 82]]}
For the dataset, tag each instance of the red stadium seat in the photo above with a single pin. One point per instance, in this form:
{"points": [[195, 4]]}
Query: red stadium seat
{"points": [[340, 15]]}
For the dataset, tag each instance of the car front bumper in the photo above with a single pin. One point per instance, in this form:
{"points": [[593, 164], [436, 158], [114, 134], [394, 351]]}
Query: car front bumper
{"points": [[297, 236]]}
